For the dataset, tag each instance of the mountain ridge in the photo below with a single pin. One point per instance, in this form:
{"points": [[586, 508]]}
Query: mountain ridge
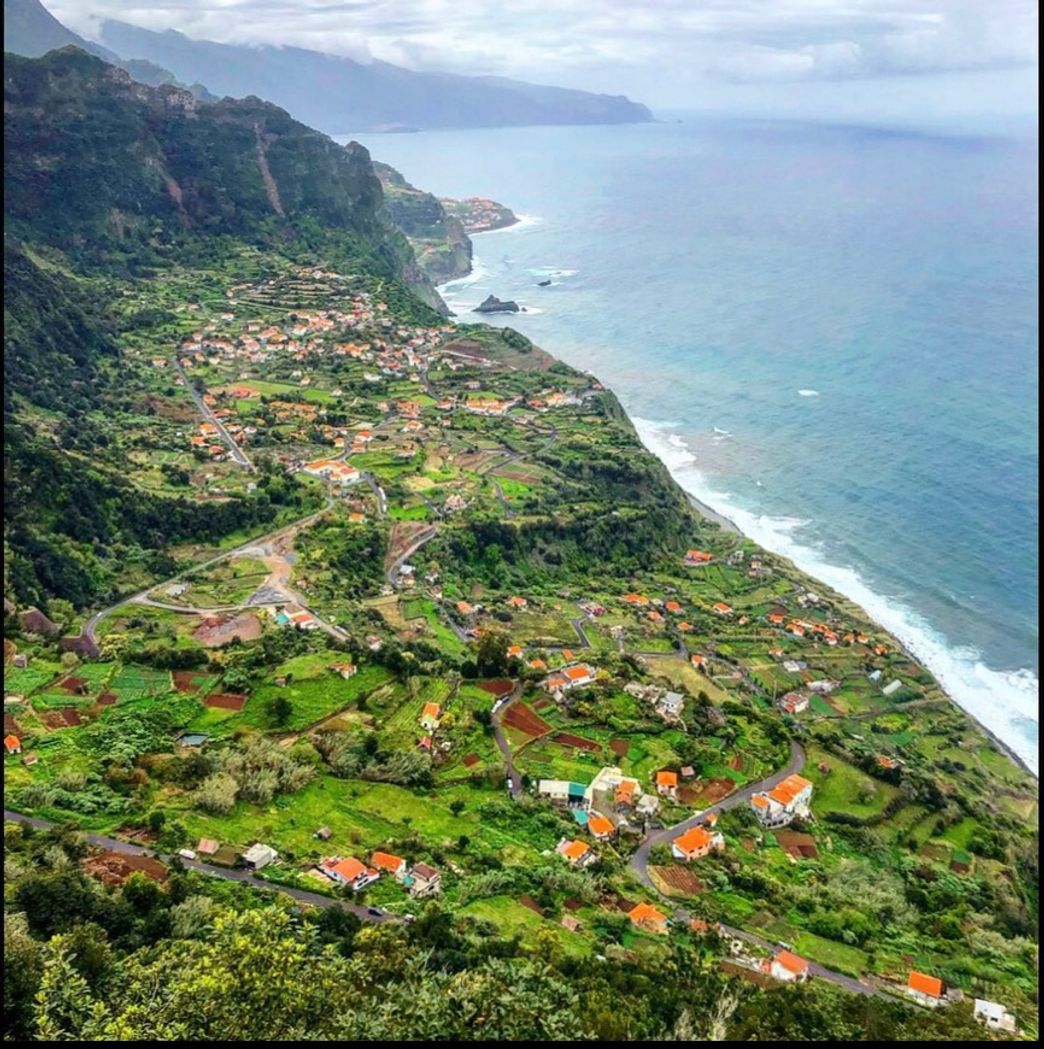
{"points": [[340, 95]]}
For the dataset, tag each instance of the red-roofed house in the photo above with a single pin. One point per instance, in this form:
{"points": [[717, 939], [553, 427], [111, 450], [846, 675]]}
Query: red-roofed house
{"points": [[648, 918], [667, 784], [349, 872], [600, 827], [778, 806], [429, 718], [696, 843], [13, 744], [393, 865], [788, 967], [578, 853], [928, 990], [698, 557]]}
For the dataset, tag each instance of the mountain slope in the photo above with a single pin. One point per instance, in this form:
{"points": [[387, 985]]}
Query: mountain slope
{"points": [[107, 183], [31, 30], [100, 166], [340, 95]]}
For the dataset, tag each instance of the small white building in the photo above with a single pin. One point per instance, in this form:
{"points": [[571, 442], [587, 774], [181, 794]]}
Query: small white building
{"points": [[258, 856], [994, 1016]]}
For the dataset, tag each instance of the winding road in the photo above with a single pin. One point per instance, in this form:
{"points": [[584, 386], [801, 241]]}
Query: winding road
{"points": [[639, 862], [313, 899]]}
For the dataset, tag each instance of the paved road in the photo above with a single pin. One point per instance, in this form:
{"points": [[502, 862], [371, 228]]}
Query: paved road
{"points": [[514, 779], [382, 499], [91, 625], [639, 862], [578, 625], [422, 537], [313, 899], [204, 409]]}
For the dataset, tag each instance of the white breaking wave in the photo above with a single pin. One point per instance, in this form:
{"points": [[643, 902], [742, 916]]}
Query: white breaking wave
{"points": [[808, 393], [479, 272], [524, 222], [1005, 701]]}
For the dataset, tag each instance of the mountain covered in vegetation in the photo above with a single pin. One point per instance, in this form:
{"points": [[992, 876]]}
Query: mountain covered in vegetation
{"points": [[31, 30], [382, 686], [108, 179]]}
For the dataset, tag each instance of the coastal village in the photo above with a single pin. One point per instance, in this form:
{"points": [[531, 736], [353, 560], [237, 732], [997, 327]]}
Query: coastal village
{"points": [[681, 746]]}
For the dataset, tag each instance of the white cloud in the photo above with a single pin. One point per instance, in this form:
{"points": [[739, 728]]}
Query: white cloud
{"points": [[638, 46]]}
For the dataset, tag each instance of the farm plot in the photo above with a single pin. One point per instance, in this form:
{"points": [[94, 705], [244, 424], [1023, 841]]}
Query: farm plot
{"points": [[191, 681], [130, 683], [676, 880], [314, 692], [24, 680], [567, 739], [526, 721], [845, 788]]}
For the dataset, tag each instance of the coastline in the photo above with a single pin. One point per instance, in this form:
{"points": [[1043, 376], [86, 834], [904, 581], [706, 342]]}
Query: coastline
{"points": [[723, 522], [729, 525]]}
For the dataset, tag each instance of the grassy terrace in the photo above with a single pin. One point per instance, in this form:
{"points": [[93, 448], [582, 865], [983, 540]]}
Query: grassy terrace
{"points": [[896, 865]]}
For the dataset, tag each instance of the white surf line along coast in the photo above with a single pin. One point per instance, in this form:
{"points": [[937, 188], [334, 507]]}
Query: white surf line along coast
{"points": [[1003, 703]]}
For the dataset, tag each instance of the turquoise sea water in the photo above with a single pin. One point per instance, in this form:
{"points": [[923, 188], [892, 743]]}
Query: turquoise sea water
{"points": [[827, 333]]}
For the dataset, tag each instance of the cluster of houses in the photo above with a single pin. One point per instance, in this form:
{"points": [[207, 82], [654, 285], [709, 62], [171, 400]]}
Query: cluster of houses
{"points": [[554, 399], [336, 471], [798, 627], [602, 808], [420, 880]]}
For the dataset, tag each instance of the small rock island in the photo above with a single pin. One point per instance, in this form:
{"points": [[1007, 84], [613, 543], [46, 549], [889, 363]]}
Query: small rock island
{"points": [[491, 304]]}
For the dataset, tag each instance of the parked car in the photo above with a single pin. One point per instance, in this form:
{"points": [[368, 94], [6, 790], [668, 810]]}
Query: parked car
{"points": [[187, 854]]}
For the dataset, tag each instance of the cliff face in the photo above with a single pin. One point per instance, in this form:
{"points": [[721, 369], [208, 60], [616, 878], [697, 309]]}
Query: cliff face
{"points": [[439, 239], [99, 165]]}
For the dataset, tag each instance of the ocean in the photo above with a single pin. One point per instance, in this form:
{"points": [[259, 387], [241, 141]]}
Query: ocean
{"points": [[827, 333]]}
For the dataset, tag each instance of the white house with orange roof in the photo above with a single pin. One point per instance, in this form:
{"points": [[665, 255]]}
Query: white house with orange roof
{"points": [[667, 783], [794, 703], [570, 677], [790, 798], [696, 843], [578, 853], [698, 557], [429, 718], [788, 967], [928, 990], [349, 872]]}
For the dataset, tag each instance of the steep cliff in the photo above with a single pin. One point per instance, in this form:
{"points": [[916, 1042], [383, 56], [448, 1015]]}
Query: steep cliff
{"points": [[106, 169], [439, 239]]}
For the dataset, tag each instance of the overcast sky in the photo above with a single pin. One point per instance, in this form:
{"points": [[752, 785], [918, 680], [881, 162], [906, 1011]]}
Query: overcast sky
{"points": [[885, 59]]}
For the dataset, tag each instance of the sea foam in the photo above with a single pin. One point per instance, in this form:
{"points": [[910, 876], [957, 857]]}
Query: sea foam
{"points": [[1006, 702]]}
